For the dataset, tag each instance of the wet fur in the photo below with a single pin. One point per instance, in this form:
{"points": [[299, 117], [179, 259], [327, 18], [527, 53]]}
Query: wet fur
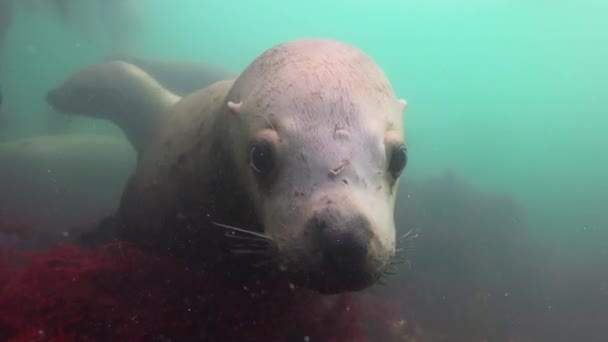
{"points": [[192, 172]]}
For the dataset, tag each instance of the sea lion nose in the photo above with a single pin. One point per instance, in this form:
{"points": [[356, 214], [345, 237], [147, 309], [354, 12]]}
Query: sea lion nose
{"points": [[343, 241]]}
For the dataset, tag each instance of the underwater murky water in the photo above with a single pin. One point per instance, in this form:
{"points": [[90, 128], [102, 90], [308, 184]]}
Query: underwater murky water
{"points": [[505, 184]]}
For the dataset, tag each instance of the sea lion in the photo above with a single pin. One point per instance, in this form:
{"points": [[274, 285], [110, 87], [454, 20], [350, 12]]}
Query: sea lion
{"points": [[178, 76], [298, 160]]}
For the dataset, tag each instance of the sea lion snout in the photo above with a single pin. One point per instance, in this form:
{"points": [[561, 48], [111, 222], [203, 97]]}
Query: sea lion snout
{"points": [[343, 241], [64, 100], [341, 249]]}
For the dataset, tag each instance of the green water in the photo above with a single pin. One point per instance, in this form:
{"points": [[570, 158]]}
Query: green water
{"points": [[510, 94]]}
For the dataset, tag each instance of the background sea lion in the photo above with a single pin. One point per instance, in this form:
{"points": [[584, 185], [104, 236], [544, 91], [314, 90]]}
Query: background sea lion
{"points": [[178, 76], [301, 156], [58, 183]]}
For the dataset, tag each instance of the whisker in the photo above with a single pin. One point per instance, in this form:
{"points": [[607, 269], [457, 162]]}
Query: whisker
{"points": [[408, 264], [396, 264], [389, 272], [400, 260], [250, 246], [260, 235], [405, 249], [247, 238], [248, 252], [408, 236]]}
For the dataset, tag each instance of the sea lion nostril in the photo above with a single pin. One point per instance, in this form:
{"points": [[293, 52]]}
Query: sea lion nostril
{"points": [[342, 241], [346, 253]]}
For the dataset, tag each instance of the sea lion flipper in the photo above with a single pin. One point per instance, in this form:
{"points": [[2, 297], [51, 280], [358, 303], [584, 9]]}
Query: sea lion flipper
{"points": [[181, 77], [116, 91]]}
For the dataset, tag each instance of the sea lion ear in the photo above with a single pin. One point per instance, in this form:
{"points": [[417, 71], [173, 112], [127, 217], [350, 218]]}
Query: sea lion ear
{"points": [[235, 108], [403, 104]]}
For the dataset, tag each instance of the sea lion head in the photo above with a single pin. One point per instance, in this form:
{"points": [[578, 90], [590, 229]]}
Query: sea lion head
{"points": [[318, 132]]}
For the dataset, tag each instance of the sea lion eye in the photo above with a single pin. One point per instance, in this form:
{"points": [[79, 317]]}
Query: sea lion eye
{"points": [[398, 161], [261, 158]]}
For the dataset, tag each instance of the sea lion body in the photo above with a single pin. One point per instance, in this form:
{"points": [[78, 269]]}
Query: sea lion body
{"points": [[302, 152], [179, 77]]}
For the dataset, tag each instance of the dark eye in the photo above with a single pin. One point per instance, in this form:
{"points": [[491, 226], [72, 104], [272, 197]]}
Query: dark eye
{"points": [[261, 158], [398, 161]]}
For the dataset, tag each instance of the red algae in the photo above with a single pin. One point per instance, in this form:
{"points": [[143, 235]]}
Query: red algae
{"points": [[116, 292], [11, 227], [6, 268]]}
